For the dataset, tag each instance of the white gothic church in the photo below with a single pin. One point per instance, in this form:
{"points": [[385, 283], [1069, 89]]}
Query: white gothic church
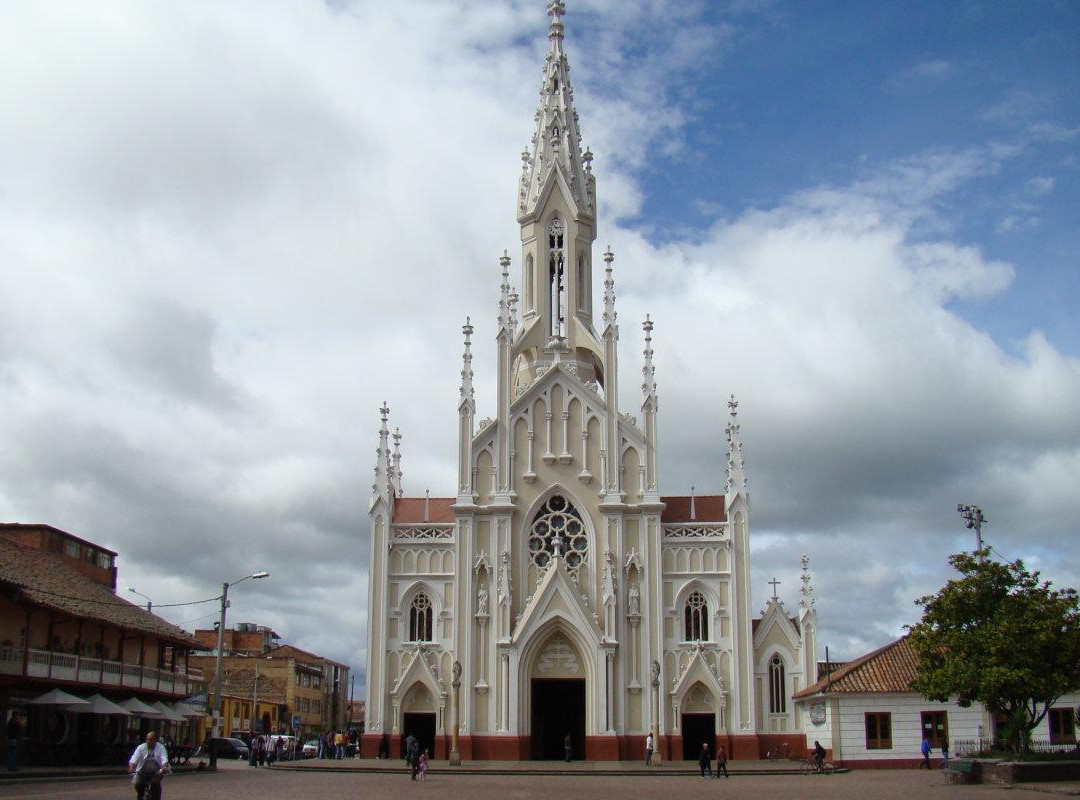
{"points": [[577, 600]]}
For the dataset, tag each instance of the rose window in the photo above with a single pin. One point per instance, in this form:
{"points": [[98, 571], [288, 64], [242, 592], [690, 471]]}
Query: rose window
{"points": [[558, 519]]}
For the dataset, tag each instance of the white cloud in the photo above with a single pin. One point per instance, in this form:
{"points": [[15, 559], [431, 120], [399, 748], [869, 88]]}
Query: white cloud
{"points": [[230, 231]]}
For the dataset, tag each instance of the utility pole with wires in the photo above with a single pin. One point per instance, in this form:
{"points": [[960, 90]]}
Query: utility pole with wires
{"points": [[974, 519]]}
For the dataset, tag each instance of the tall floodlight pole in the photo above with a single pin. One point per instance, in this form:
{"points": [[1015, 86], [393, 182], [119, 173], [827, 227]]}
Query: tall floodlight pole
{"points": [[973, 518], [218, 703]]}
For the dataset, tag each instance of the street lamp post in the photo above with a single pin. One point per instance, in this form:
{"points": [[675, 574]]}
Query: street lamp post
{"points": [[973, 518], [149, 602], [218, 703]]}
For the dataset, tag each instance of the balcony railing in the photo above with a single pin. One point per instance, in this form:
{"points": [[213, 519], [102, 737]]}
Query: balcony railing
{"points": [[51, 665]]}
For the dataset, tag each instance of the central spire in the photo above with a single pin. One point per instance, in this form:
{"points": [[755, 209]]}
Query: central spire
{"points": [[557, 215], [557, 140]]}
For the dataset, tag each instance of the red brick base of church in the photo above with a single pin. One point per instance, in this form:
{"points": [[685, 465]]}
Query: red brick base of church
{"points": [[597, 748]]}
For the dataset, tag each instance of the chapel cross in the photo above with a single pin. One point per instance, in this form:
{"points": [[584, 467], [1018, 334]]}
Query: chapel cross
{"points": [[774, 583]]}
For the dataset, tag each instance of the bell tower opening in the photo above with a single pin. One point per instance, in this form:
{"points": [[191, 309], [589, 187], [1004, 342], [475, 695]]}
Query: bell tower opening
{"points": [[557, 276]]}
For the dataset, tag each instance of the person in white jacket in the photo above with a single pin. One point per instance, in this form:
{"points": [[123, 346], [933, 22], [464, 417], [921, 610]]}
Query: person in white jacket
{"points": [[648, 749], [147, 764]]}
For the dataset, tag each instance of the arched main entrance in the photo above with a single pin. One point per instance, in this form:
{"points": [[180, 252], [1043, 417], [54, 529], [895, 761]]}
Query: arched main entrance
{"points": [[698, 722], [418, 719], [557, 694]]}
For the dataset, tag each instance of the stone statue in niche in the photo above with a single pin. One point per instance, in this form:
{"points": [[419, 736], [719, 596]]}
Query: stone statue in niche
{"points": [[633, 599], [482, 598]]}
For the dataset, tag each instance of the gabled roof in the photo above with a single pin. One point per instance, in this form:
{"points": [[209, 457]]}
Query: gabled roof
{"points": [[707, 508], [887, 670], [41, 578], [410, 510], [288, 650]]}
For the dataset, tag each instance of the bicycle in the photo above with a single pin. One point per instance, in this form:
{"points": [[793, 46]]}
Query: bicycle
{"points": [[809, 766]]}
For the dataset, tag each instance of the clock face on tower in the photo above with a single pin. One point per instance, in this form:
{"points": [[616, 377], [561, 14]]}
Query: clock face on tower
{"points": [[555, 229]]}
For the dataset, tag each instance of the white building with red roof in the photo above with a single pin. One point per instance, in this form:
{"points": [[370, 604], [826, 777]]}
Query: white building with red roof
{"points": [[578, 601]]}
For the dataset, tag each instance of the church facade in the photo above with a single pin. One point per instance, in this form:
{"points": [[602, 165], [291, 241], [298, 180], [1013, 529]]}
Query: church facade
{"points": [[561, 592]]}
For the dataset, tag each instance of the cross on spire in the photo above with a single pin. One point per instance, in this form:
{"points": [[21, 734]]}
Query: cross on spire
{"points": [[774, 583]]}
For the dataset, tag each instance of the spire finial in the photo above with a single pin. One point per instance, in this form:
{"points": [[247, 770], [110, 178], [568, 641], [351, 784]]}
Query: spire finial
{"points": [[693, 511], [556, 10]]}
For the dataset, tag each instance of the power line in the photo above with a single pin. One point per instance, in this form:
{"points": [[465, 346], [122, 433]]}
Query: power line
{"points": [[123, 603]]}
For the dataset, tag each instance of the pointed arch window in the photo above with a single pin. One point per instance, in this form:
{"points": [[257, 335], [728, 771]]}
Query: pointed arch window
{"points": [[529, 305], [557, 276], [420, 618], [696, 617], [558, 518], [777, 682], [584, 303]]}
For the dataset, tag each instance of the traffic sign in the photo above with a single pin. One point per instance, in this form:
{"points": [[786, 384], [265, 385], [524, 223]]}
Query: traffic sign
{"points": [[296, 722]]}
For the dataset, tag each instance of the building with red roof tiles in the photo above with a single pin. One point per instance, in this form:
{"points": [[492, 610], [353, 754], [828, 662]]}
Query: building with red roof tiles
{"points": [[554, 591], [865, 714]]}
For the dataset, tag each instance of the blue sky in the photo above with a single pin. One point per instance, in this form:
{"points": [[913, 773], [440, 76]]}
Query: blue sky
{"points": [[230, 231], [800, 94]]}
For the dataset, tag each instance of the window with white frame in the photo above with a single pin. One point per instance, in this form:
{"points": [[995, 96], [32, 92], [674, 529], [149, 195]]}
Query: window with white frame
{"points": [[420, 618], [696, 617], [777, 686]]}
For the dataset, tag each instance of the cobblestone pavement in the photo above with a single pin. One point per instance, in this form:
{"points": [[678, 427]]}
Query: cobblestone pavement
{"points": [[237, 782]]}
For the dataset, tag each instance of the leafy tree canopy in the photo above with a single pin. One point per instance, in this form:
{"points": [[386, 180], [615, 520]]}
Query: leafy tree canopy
{"points": [[1000, 636]]}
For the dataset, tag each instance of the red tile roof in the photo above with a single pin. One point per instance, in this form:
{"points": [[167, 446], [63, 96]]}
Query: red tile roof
{"points": [[707, 508], [887, 670], [42, 579], [410, 510]]}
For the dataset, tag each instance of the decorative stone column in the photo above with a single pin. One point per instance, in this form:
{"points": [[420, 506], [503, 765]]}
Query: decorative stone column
{"points": [[455, 724], [657, 759]]}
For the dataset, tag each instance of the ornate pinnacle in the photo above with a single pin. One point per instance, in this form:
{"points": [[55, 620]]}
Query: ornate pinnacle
{"points": [[648, 385], [395, 471], [504, 292], [609, 288], [467, 391], [736, 479], [806, 591], [383, 478]]}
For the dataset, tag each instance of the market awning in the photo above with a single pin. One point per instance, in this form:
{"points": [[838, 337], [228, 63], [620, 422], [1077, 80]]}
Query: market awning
{"points": [[141, 709], [96, 704], [56, 697]]}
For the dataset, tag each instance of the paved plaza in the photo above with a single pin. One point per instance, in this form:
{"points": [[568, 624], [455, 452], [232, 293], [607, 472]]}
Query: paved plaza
{"points": [[237, 782]]}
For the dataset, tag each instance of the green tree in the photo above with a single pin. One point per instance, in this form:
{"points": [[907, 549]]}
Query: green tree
{"points": [[1000, 636]]}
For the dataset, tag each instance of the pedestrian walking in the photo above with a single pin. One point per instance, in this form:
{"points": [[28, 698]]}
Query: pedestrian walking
{"points": [[705, 760], [721, 760], [568, 746], [423, 765], [945, 753], [819, 756], [147, 765], [263, 747], [14, 735], [648, 750], [925, 753], [253, 752]]}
